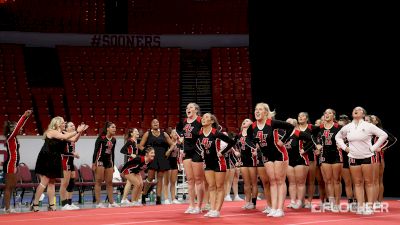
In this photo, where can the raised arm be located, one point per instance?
(21, 122)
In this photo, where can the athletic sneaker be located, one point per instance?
(267, 210)
(291, 204)
(272, 212)
(228, 198)
(67, 207)
(167, 202)
(176, 201)
(125, 202)
(208, 213)
(196, 210)
(368, 211)
(248, 205)
(237, 198)
(101, 206)
(214, 214)
(307, 205)
(10, 210)
(113, 205)
(207, 207)
(188, 210)
(297, 205)
(278, 213)
(74, 206)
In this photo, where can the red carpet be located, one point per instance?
(173, 214)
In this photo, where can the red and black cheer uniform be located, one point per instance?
(68, 157)
(190, 131)
(207, 145)
(330, 153)
(294, 145)
(267, 138)
(12, 146)
(248, 154)
(174, 156)
(135, 165)
(129, 148)
(104, 152)
(390, 141)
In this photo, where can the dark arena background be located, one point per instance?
(132, 61)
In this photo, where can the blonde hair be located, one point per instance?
(54, 124)
(270, 114)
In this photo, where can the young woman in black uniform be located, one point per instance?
(248, 157)
(378, 179)
(193, 163)
(343, 121)
(103, 163)
(131, 171)
(314, 171)
(208, 147)
(264, 132)
(331, 158)
(130, 150)
(68, 182)
(298, 165)
(11, 131)
(171, 175)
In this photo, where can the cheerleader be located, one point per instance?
(11, 130)
(171, 176)
(103, 163)
(48, 164)
(249, 160)
(331, 158)
(130, 150)
(132, 169)
(378, 173)
(209, 147)
(68, 182)
(192, 162)
(298, 165)
(264, 132)
(231, 159)
(343, 121)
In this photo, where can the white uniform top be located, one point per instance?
(359, 137)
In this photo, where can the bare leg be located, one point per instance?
(99, 174)
(11, 181)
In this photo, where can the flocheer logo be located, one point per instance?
(349, 207)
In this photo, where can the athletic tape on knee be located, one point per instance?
(71, 185)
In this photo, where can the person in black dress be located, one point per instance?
(48, 164)
(160, 141)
